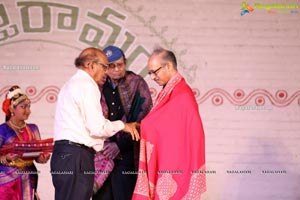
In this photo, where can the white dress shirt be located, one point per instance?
(79, 117)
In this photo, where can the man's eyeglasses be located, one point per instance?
(114, 65)
(103, 65)
(155, 71)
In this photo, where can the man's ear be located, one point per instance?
(88, 64)
(168, 65)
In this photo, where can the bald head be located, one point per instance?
(162, 66)
(165, 56)
(94, 62)
(88, 55)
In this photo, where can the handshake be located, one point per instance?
(132, 128)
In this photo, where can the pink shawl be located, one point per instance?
(172, 148)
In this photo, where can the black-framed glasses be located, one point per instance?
(114, 65)
(155, 71)
(105, 66)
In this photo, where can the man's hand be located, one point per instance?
(132, 129)
(111, 150)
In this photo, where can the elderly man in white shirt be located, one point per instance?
(80, 128)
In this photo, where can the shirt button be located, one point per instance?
(114, 92)
(113, 103)
(111, 113)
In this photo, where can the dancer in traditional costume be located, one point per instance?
(18, 174)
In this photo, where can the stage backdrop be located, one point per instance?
(241, 59)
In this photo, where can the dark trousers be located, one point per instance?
(119, 185)
(72, 170)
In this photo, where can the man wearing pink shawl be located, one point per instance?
(172, 146)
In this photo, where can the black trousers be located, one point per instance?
(120, 183)
(72, 170)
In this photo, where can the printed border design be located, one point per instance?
(261, 97)
(49, 92)
(166, 187)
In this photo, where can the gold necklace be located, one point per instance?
(16, 126)
(17, 129)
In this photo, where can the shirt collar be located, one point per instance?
(84, 73)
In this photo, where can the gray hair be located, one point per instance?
(166, 55)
